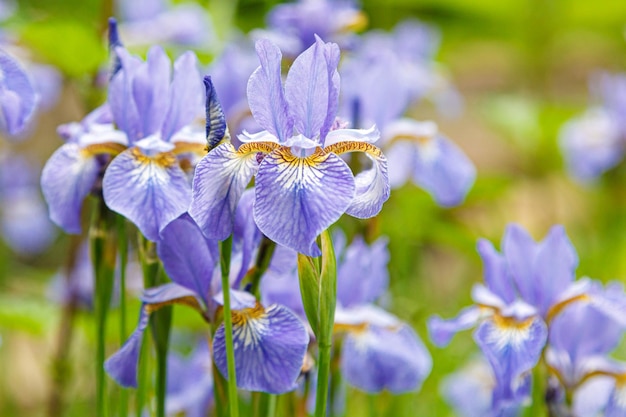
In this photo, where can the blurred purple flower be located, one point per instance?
(594, 142)
(302, 185)
(527, 285)
(149, 22)
(24, 221)
(18, 98)
(417, 151)
(190, 383)
(293, 26)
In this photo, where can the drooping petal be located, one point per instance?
(444, 171)
(513, 347)
(496, 275)
(266, 97)
(186, 95)
(616, 406)
(298, 198)
(381, 358)
(150, 192)
(122, 365)
(306, 90)
(441, 331)
(270, 345)
(66, 179)
(18, 98)
(220, 179)
(215, 119)
(372, 185)
(592, 396)
(188, 257)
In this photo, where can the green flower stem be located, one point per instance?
(263, 259)
(160, 321)
(103, 252)
(323, 373)
(272, 401)
(123, 253)
(225, 252)
(318, 287)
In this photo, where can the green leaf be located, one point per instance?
(73, 47)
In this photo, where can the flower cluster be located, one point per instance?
(523, 315)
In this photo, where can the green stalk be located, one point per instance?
(225, 251)
(323, 373)
(271, 405)
(103, 253)
(160, 321)
(263, 259)
(123, 253)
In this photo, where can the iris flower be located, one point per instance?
(143, 137)
(18, 98)
(269, 342)
(302, 186)
(525, 288)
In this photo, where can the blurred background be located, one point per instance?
(523, 69)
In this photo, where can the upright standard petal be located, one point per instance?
(495, 272)
(188, 257)
(298, 198)
(306, 90)
(18, 98)
(66, 179)
(186, 98)
(220, 179)
(519, 250)
(270, 345)
(381, 358)
(266, 97)
(555, 267)
(150, 192)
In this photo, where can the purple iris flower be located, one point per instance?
(155, 135)
(525, 287)
(18, 97)
(24, 221)
(190, 383)
(148, 22)
(379, 351)
(294, 26)
(270, 342)
(594, 142)
(418, 151)
(302, 186)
